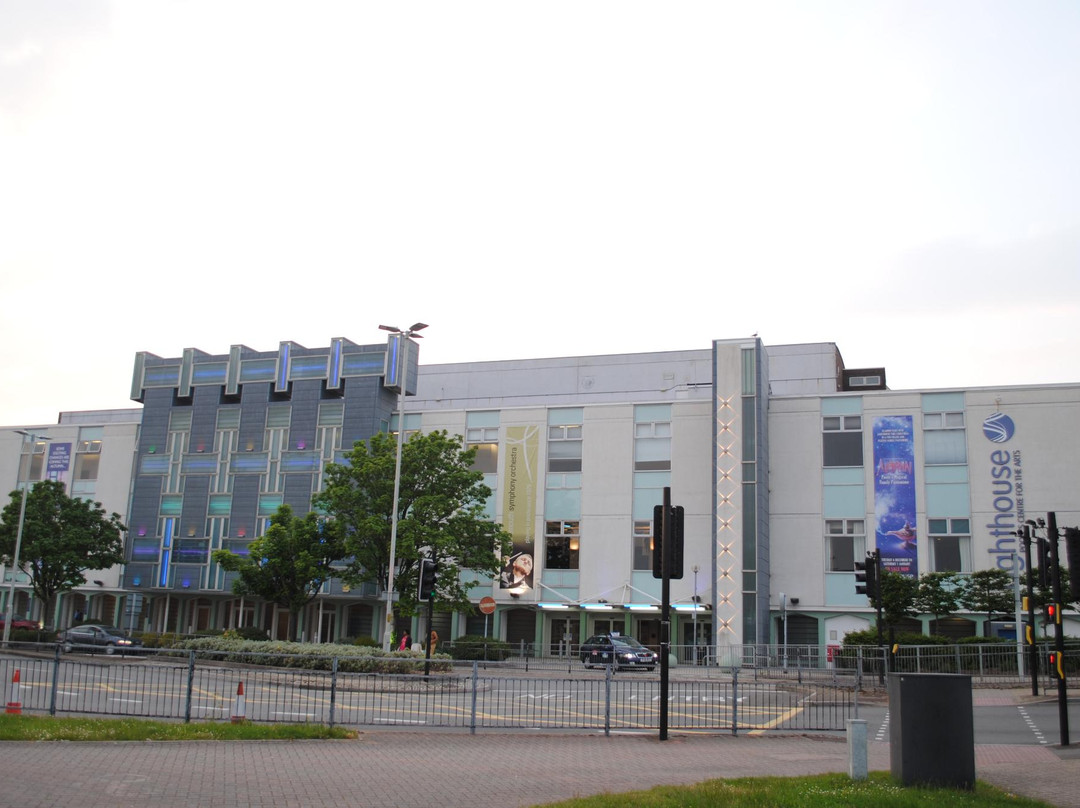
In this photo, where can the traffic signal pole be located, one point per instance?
(665, 610)
(1059, 636)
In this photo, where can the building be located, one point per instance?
(789, 467)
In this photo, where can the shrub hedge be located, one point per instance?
(315, 656)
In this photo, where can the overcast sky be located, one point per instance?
(537, 179)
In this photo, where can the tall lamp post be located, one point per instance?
(19, 533)
(400, 369)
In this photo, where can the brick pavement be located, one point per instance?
(414, 770)
(407, 769)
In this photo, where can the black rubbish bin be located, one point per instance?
(931, 730)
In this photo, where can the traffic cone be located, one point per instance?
(14, 705)
(239, 706)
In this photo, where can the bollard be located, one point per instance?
(858, 766)
(239, 706)
(14, 704)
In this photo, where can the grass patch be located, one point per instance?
(47, 728)
(817, 791)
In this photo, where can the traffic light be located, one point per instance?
(1072, 547)
(866, 577)
(427, 579)
(675, 558)
(1057, 664)
(1053, 613)
(1044, 563)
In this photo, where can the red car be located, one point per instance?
(19, 622)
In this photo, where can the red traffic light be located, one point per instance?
(1053, 614)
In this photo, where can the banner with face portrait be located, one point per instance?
(519, 494)
(894, 494)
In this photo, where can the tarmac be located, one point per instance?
(396, 768)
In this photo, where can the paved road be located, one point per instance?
(492, 769)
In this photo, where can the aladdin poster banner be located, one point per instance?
(520, 478)
(894, 494)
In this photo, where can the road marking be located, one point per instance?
(1032, 726)
(303, 715)
(126, 701)
(399, 721)
(883, 729)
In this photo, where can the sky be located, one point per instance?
(537, 179)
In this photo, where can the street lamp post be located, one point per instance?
(400, 372)
(18, 534)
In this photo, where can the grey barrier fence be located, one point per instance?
(862, 666)
(192, 687)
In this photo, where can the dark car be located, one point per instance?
(617, 650)
(91, 637)
(18, 621)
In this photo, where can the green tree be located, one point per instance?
(440, 516)
(938, 594)
(898, 598)
(61, 537)
(289, 564)
(989, 591)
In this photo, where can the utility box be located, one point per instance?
(932, 730)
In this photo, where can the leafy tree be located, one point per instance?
(289, 564)
(440, 516)
(989, 591)
(61, 537)
(898, 597)
(938, 594)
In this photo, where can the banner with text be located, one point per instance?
(519, 494)
(894, 494)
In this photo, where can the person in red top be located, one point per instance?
(406, 642)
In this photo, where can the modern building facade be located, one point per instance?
(789, 467)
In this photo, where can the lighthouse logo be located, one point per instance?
(999, 427)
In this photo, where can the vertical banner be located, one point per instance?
(519, 494)
(894, 494)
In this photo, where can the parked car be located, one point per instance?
(90, 637)
(618, 650)
(18, 621)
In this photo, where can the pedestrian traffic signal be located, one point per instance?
(427, 579)
(1072, 547)
(866, 577)
(1053, 613)
(675, 545)
(1057, 664)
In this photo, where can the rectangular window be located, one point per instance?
(643, 544)
(652, 446)
(842, 440)
(945, 439)
(31, 463)
(564, 448)
(562, 542)
(845, 543)
(950, 545)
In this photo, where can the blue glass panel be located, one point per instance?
(163, 376)
(308, 367)
(249, 463)
(257, 370)
(198, 464)
(210, 373)
(364, 364)
(154, 464)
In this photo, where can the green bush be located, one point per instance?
(472, 646)
(315, 657)
(246, 633)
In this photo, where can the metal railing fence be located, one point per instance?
(191, 686)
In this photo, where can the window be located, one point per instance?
(564, 448)
(944, 438)
(31, 463)
(950, 545)
(643, 544)
(842, 440)
(562, 544)
(485, 439)
(652, 446)
(845, 543)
